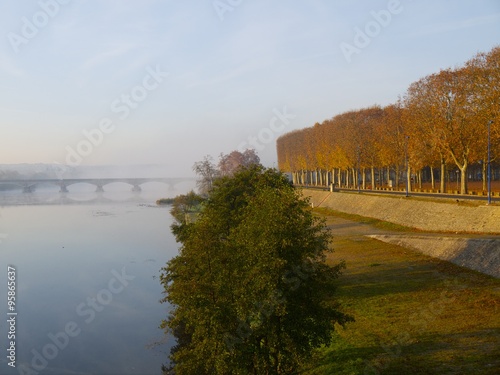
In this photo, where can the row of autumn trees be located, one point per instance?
(441, 122)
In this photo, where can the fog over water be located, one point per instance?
(87, 263)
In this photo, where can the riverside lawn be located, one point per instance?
(414, 314)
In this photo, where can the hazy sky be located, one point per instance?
(167, 82)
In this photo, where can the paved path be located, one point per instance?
(411, 194)
(477, 252)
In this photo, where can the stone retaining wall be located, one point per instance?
(424, 215)
(481, 255)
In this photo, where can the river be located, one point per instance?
(86, 282)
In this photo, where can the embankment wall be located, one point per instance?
(420, 214)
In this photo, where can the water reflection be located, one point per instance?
(90, 264)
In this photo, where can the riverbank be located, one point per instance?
(415, 315)
(460, 234)
(434, 215)
(477, 254)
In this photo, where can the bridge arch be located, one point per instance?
(98, 185)
(85, 186)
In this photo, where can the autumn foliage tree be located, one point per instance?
(208, 172)
(440, 124)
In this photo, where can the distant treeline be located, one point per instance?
(438, 127)
(15, 175)
(165, 201)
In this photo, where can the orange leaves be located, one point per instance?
(445, 116)
(336, 143)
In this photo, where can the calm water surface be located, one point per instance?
(88, 266)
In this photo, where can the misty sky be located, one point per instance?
(167, 82)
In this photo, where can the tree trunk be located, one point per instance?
(408, 177)
(373, 177)
(442, 177)
(484, 174)
(463, 183)
(397, 177)
(363, 176)
(433, 181)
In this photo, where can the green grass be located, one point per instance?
(415, 315)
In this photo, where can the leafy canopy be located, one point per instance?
(250, 291)
(228, 165)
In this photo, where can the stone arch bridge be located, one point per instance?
(29, 186)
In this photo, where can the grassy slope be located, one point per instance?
(414, 314)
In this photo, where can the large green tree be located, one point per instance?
(250, 290)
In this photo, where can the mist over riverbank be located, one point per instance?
(54, 170)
